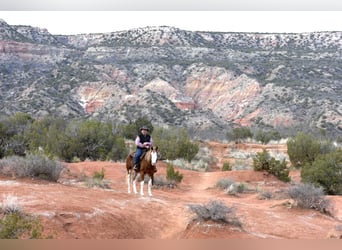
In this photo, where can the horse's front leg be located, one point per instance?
(129, 182)
(142, 188)
(149, 185)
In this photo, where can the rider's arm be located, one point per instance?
(138, 143)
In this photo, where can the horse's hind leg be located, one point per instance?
(135, 183)
(142, 188)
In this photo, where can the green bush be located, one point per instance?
(98, 180)
(171, 174)
(238, 134)
(131, 130)
(18, 226)
(12, 134)
(99, 175)
(325, 171)
(174, 143)
(226, 166)
(263, 161)
(14, 224)
(302, 149)
(266, 136)
(59, 138)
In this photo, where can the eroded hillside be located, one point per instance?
(206, 82)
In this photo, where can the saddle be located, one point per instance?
(131, 155)
(141, 157)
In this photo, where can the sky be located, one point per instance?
(80, 22)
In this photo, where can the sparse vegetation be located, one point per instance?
(266, 136)
(239, 134)
(161, 182)
(172, 175)
(226, 166)
(231, 187)
(99, 175)
(11, 205)
(263, 161)
(224, 183)
(264, 195)
(310, 197)
(98, 180)
(14, 224)
(31, 166)
(236, 188)
(216, 211)
(20, 226)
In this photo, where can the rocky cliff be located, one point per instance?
(206, 82)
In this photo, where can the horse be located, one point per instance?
(147, 166)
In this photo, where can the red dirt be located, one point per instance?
(70, 210)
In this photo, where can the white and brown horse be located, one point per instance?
(147, 166)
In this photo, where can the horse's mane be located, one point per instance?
(148, 154)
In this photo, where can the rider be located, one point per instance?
(143, 141)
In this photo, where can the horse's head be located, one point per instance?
(154, 155)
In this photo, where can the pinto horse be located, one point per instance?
(147, 166)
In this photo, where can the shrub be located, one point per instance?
(226, 166)
(238, 134)
(44, 168)
(266, 137)
(15, 226)
(264, 195)
(263, 161)
(98, 180)
(302, 149)
(10, 205)
(171, 174)
(215, 211)
(175, 143)
(325, 171)
(236, 188)
(161, 182)
(99, 175)
(31, 166)
(308, 196)
(224, 183)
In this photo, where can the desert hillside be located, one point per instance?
(71, 210)
(205, 82)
